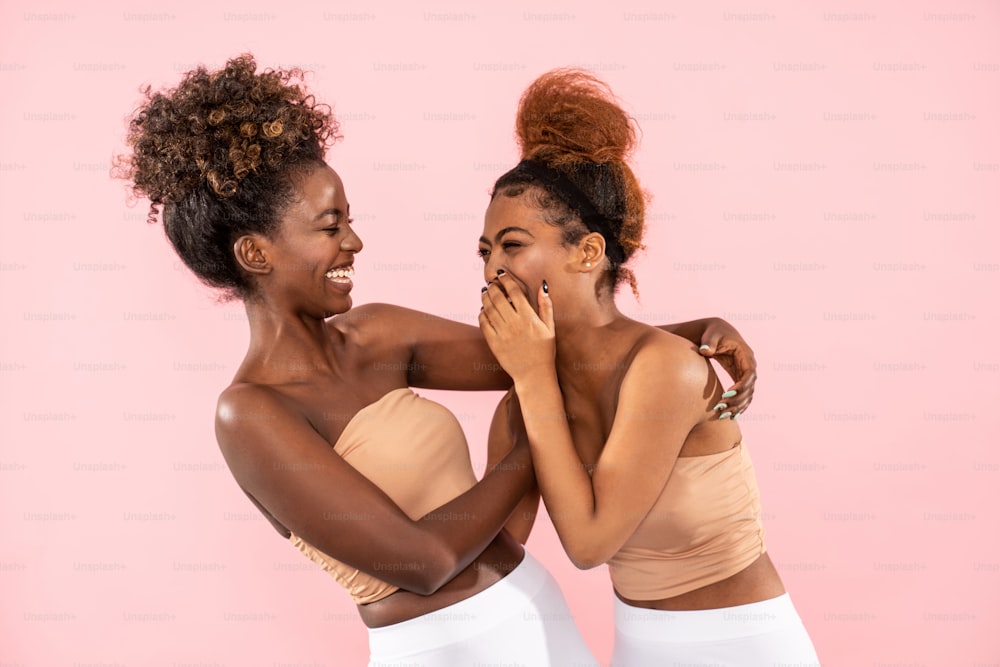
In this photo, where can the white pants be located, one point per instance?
(760, 634)
(520, 621)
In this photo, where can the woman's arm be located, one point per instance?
(290, 470)
(595, 512)
(451, 355)
(507, 426)
(444, 354)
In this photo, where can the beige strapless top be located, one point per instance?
(704, 527)
(415, 451)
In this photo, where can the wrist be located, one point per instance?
(532, 380)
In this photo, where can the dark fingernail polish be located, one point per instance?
(545, 287)
(500, 272)
(486, 288)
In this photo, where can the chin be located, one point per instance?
(341, 309)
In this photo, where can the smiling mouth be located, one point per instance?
(340, 275)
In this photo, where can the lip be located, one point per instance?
(345, 265)
(342, 284)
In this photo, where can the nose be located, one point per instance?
(352, 242)
(491, 267)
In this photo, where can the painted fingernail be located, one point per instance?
(704, 347)
(725, 415)
(486, 288)
(545, 287)
(500, 272)
(736, 415)
(728, 394)
(720, 406)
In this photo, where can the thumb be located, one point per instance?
(709, 344)
(545, 312)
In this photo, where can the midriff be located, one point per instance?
(754, 583)
(497, 561)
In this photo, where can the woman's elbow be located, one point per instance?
(426, 575)
(587, 556)
(586, 563)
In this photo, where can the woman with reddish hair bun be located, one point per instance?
(319, 426)
(636, 447)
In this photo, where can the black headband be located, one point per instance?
(564, 188)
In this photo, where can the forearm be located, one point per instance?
(466, 525)
(450, 355)
(523, 519)
(562, 478)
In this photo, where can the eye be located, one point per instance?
(483, 252)
(507, 245)
(332, 231)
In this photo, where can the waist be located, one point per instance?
(706, 625)
(703, 528)
(498, 560)
(756, 582)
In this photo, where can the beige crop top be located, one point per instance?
(704, 527)
(400, 442)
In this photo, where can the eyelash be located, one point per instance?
(507, 245)
(333, 231)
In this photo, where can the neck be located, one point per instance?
(285, 345)
(582, 337)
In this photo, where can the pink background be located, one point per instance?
(824, 175)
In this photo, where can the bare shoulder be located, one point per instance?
(240, 395)
(670, 362)
(243, 404)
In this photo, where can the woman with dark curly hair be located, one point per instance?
(637, 467)
(320, 427)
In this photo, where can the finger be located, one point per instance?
(745, 394)
(710, 344)
(545, 310)
(516, 296)
(730, 357)
(486, 326)
(495, 305)
(735, 400)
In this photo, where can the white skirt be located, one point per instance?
(522, 619)
(760, 634)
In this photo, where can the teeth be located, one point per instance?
(345, 273)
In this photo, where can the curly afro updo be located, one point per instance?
(219, 153)
(570, 121)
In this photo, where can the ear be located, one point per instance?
(591, 252)
(251, 256)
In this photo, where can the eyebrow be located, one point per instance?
(505, 230)
(336, 212)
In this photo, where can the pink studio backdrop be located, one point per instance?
(823, 175)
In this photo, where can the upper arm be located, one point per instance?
(661, 399)
(499, 443)
(444, 354)
(293, 472)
